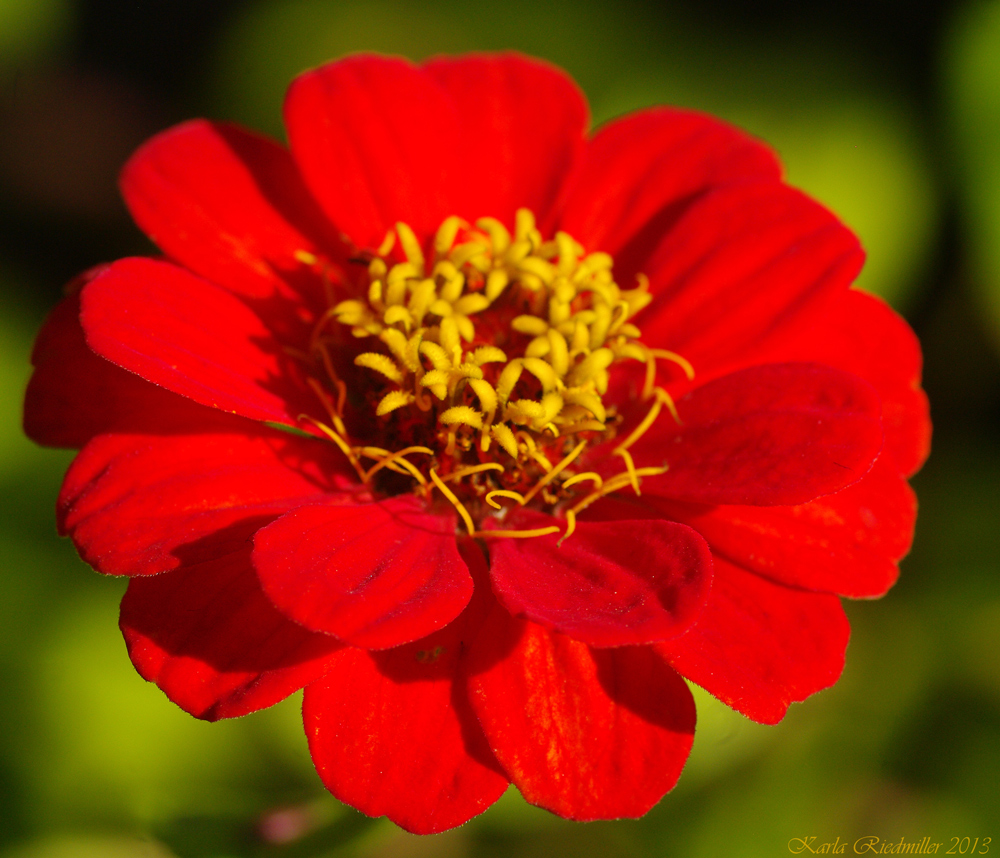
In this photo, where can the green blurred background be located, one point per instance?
(888, 111)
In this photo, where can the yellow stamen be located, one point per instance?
(570, 527)
(473, 469)
(558, 469)
(340, 442)
(411, 247)
(503, 493)
(398, 456)
(567, 322)
(592, 476)
(455, 502)
(612, 485)
(392, 401)
(643, 427)
(503, 435)
(516, 534)
(463, 415)
(630, 465)
(446, 233)
(677, 359)
(321, 394)
(385, 248)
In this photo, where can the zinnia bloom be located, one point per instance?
(487, 431)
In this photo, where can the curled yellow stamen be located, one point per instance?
(643, 427)
(559, 468)
(454, 501)
(682, 362)
(345, 448)
(516, 534)
(503, 493)
(593, 476)
(616, 482)
(570, 527)
(398, 456)
(473, 469)
(630, 465)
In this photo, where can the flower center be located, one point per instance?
(486, 369)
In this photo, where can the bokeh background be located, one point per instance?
(886, 110)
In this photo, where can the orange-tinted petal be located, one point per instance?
(586, 733)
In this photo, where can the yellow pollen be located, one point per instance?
(490, 351)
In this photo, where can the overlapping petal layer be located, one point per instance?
(373, 575)
(393, 733)
(846, 543)
(211, 640)
(640, 174)
(773, 434)
(862, 335)
(377, 141)
(74, 394)
(163, 323)
(600, 589)
(145, 504)
(746, 264)
(231, 207)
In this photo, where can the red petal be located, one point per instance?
(74, 395)
(640, 173)
(609, 584)
(846, 543)
(773, 434)
(743, 264)
(392, 733)
(377, 141)
(760, 646)
(588, 734)
(214, 644)
(192, 337)
(141, 504)
(863, 335)
(374, 575)
(525, 121)
(230, 206)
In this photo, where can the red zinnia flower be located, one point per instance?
(483, 430)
